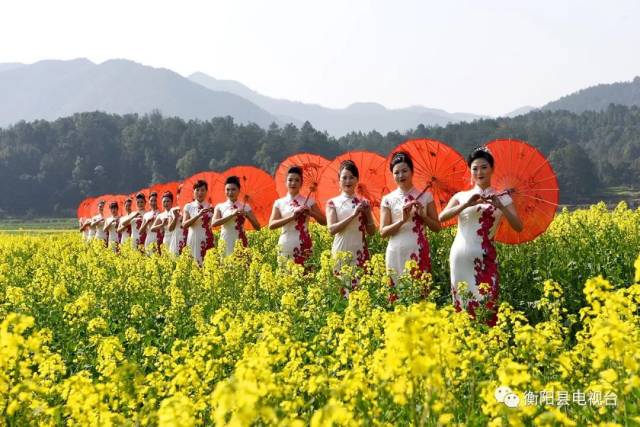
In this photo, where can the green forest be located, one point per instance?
(47, 167)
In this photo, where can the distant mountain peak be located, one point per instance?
(598, 97)
(367, 107)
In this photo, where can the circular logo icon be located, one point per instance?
(501, 392)
(512, 400)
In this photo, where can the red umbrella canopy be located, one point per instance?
(312, 166)
(257, 189)
(371, 183)
(186, 191)
(84, 208)
(528, 177)
(437, 168)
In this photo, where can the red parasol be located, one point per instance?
(312, 166)
(526, 175)
(371, 184)
(84, 208)
(186, 191)
(257, 189)
(438, 168)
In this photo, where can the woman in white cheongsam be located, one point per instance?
(349, 217)
(111, 227)
(349, 220)
(291, 213)
(153, 239)
(473, 253)
(133, 222)
(231, 215)
(97, 224)
(166, 222)
(405, 213)
(125, 231)
(196, 218)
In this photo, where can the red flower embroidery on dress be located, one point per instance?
(362, 255)
(456, 299)
(207, 243)
(142, 236)
(183, 241)
(302, 252)
(240, 218)
(422, 257)
(487, 268)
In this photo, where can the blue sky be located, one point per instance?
(486, 57)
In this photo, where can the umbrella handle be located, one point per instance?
(505, 192)
(424, 191)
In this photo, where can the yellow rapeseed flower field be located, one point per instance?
(90, 337)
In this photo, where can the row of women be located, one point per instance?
(405, 214)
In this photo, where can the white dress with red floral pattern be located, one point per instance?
(352, 238)
(168, 236)
(126, 233)
(113, 237)
(90, 232)
(99, 233)
(233, 229)
(410, 241)
(473, 254)
(200, 235)
(137, 237)
(295, 240)
(153, 239)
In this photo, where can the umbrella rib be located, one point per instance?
(540, 199)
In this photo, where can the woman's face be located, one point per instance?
(481, 172)
(153, 202)
(114, 211)
(166, 203)
(402, 174)
(294, 182)
(127, 206)
(100, 207)
(232, 191)
(200, 193)
(348, 181)
(140, 204)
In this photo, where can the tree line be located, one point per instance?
(47, 167)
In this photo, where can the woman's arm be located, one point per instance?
(157, 225)
(218, 219)
(188, 221)
(333, 224)
(429, 215)
(317, 214)
(509, 212)
(386, 227)
(371, 224)
(276, 220)
(173, 221)
(454, 207)
(253, 220)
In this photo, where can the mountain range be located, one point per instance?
(53, 88)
